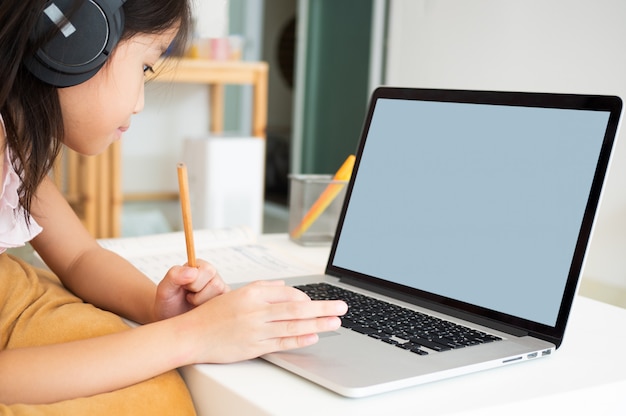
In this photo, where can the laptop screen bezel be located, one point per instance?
(473, 313)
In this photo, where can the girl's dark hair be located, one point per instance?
(30, 108)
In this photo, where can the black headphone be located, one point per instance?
(85, 33)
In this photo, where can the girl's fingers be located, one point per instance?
(297, 334)
(176, 277)
(298, 327)
(306, 309)
(204, 274)
(275, 291)
(205, 284)
(212, 289)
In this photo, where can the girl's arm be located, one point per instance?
(103, 278)
(96, 275)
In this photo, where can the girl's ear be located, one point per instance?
(82, 34)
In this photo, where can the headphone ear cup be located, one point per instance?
(85, 34)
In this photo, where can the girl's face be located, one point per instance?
(98, 111)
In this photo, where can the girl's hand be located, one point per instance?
(257, 319)
(183, 288)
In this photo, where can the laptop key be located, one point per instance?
(432, 345)
(409, 346)
(348, 323)
(364, 330)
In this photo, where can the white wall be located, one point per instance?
(211, 17)
(572, 46)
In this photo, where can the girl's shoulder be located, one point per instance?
(14, 229)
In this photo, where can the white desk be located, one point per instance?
(577, 379)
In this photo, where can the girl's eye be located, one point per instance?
(148, 68)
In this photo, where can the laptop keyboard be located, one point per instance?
(413, 331)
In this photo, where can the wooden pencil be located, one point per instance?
(185, 205)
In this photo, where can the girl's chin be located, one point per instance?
(95, 146)
(92, 151)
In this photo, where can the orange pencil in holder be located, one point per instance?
(325, 199)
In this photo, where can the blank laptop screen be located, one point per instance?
(475, 202)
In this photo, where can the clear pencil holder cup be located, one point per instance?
(315, 203)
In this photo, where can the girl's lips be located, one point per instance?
(120, 132)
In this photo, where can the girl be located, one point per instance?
(55, 347)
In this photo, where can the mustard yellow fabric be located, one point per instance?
(35, 309)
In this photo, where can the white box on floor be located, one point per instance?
(226, 181)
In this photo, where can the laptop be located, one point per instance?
(467, 217)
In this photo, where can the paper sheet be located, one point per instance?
(233, 251)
